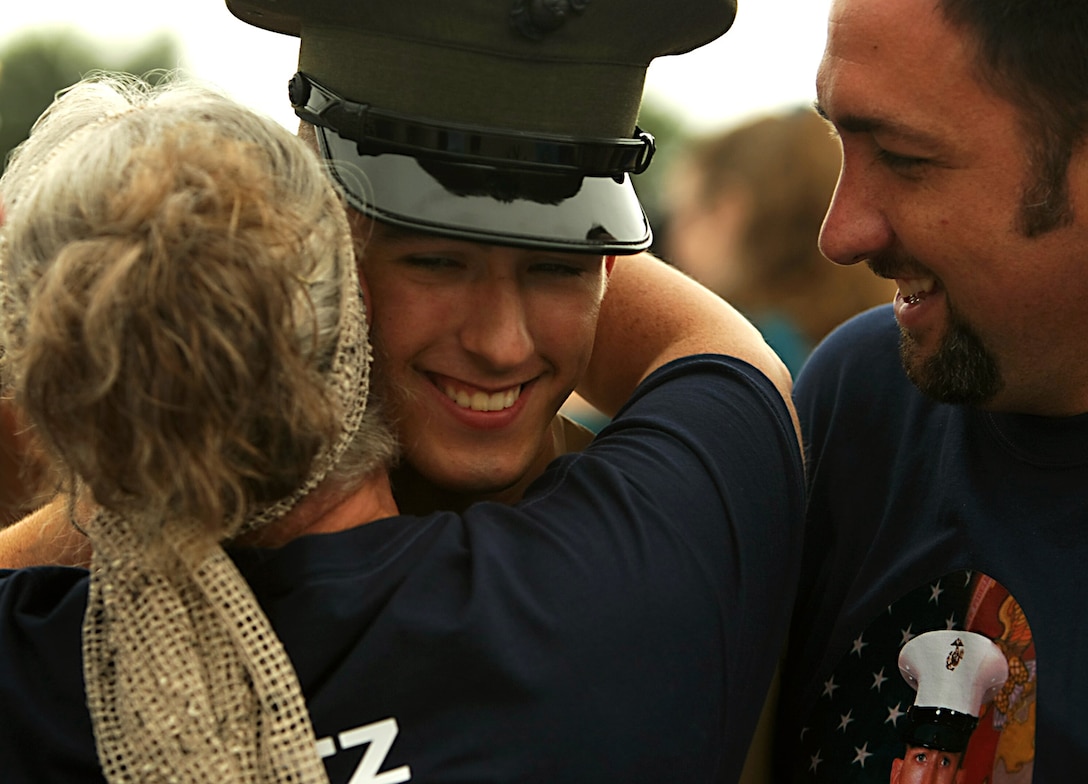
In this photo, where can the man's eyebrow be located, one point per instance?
(393, 233)
(855, 123)
(852, 123)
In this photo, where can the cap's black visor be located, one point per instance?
(488, 204)
(939, 728)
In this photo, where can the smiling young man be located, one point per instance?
(480, 345)
(946, 434)
(487, 150)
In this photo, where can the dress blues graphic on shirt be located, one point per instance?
(857, 732)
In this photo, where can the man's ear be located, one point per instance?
(307, 133)
(609, 261)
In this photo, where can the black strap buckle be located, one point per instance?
(376, 131)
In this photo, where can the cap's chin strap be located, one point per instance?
(379, 131)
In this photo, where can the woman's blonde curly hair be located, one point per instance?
(175, 301)
(181, 321)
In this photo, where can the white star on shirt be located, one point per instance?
(844, 720)
(935, 592)
(950, 622)
(830, 686)
(862, 754)
(894, 714)
(906, 635)
(814, 761)
(878, 679)
(858, 645)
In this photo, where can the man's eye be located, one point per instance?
(558, 268)
(901, 163)
(431, 262)
(564, 266)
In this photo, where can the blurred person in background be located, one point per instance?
(745, 208)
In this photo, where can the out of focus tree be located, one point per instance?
(670, 135)
(35, 65)
(33, 68)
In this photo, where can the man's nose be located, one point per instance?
(855, 227)
(931, 775)
(496, 327)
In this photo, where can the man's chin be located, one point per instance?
(959, 371)
(420, 489)
(483, 471)
(496, 485)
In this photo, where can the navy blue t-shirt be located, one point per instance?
(621, 624)
(924, 517)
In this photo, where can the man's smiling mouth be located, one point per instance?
(914, 290)
(483, 401)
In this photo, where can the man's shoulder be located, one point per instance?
(867, 338)
(697, 431)
(712, 410)
(708, 382)
(858, 359)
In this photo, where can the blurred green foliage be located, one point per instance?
(670, 134)
(35, 65)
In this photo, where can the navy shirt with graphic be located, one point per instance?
(925, 516)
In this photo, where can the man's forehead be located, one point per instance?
(894, 65)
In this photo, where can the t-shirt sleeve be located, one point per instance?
(695, 494)
(709, 440)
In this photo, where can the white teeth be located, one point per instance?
(912, 289)
(481, 401)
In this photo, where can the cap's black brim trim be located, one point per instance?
(378, 131)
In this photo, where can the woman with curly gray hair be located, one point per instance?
(182, 325)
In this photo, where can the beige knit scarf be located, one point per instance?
(186, 680)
